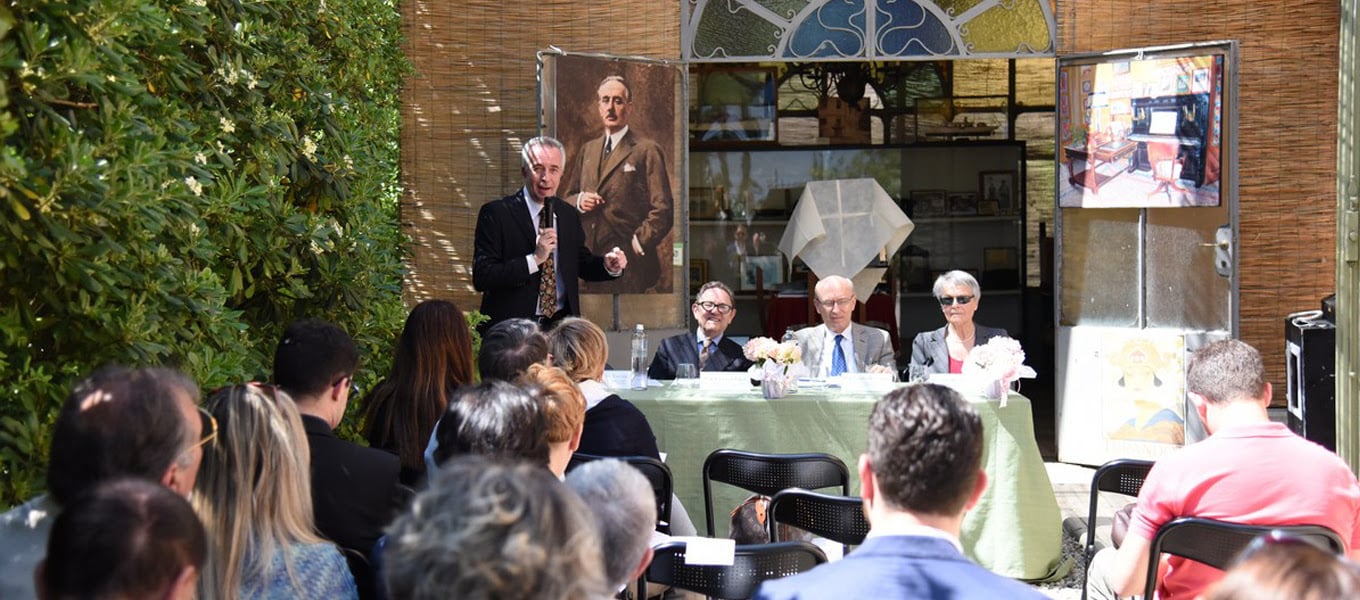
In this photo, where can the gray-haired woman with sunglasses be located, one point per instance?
(944, 350)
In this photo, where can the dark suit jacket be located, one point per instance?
(505, 235)
(355, 491)
(901, 567)
(635, 185)
(930, 349)
(684, 348)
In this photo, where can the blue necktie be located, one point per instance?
(838, 357)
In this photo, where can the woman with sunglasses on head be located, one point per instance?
(254, 496)
(944, 350)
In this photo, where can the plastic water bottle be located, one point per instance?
(639, 358)
(788, 335)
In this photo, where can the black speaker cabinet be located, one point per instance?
(1310, 350)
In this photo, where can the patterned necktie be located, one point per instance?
(838, 357)
(705, 350)
(547, 286)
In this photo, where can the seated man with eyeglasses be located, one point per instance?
(707, 349)
(117, 423)
(944, 350)
(838, 346)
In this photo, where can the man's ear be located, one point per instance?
(977, 491)
(183, 587)
(173, 478)
(575, 441)
(866, 481)
(642, 565)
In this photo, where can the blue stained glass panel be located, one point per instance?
(834, 30)
(905, 28)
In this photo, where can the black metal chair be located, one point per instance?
(751, 566)
(657, 473)
(1121, 476)
(769, 474)
(836, 518)
(1217, 543)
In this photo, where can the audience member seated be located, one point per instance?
(356, 491)
(944, 350)
(707, 348)
(921, 472)
(837, 345)
(613, 426)
(625, 515)
(433, 355)
(1277, 566)
(1250, 470)
(494, 528)
(255, 499)
(494, 418)
(118, 422)
(566, 410)
(509, 347)
(130, 539)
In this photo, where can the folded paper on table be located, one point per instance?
(724, 381)
(875, 383)
(840, 226)
(622, 380)
(708, 551)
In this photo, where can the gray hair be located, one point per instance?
(625, 511)
(956, 277)
(627, 91)
(526, 153)
(716, 285)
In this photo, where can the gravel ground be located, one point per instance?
(1069, 587)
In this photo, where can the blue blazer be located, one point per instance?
(930, 349)
(684, 348)
(898, 567)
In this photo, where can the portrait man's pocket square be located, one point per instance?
(628, 168)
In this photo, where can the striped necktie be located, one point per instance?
(705, 350)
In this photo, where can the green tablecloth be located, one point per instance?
(1015, 530)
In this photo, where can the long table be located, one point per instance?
(1015, 530)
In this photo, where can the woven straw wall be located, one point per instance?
(472, 101)
(1287, 103)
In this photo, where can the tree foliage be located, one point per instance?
(181, 179)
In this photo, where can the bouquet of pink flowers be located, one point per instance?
(762, 349)
(1001, 360)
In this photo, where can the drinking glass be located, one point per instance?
(686, 375)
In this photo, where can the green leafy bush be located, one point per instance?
(181, 179)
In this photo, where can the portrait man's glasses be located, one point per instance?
(951, 300)
(721, 309)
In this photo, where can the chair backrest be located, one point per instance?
(657, 474)
(769, 474)
(837, 518)
(751, 565)
(1121, 476)
(1217, 543)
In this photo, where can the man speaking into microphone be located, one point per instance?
(530, 247)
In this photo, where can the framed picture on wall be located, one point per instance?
(769, 270)
(698, 275)
(962, 204)
(734, 105)
(929, 203)
(999, 186)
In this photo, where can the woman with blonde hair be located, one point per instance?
(433, 358)
(613, 426)
(254, 496)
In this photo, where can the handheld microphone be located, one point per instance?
(548, 217)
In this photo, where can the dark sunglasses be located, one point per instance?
(951, 300)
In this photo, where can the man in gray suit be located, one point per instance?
(839, 346)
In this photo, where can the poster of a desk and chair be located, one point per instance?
(1141, 133)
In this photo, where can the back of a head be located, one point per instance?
(625, 512)
(1226, 371)
(125, 538)
(563, 402)
(925, 445)
(1291, 569)
(494, 418)
(254, 483)
(509, 347)
(579, 348)
(490, 528)
(119, 422)
(312, 356)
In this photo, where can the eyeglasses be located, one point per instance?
(209, 428)
(1276, 537)
(951, 300)
(721, 309)
(353, 387)
(841, 302)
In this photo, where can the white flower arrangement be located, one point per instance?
(1001, 360)
(762, 349)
